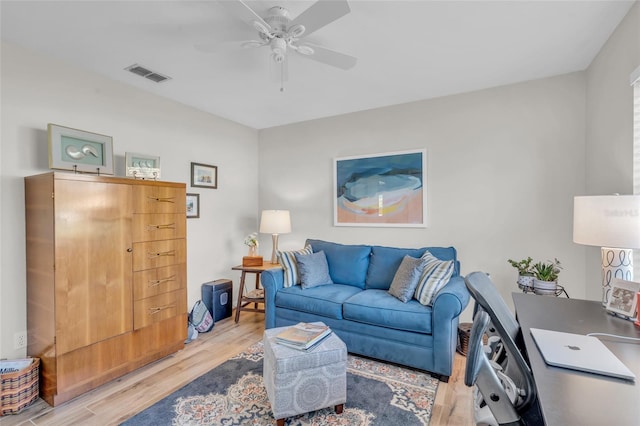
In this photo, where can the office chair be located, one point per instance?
(503, 324)
(494, 393)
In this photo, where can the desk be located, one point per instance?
(570, 397)
(254, 296)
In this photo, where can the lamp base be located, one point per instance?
(274, 257)
(616, 263)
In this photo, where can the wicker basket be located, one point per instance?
(464, 334)
(19, 389)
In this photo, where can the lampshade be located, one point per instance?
(607, 221)
(275, 222)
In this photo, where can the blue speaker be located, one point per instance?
(218, 297)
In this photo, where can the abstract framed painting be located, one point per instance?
(386, 190)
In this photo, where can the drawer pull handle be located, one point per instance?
(151, 227)
(153, 311)
(161, 253)
(162, 199)
(153, 283)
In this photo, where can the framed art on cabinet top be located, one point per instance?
(79, 150)
(142, 166)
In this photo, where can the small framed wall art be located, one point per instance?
(204, 176)
(623, 300)
(142, 166)
(80, 151)
(193, 206)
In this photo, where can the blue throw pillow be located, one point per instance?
(313, 269)
(348, 264)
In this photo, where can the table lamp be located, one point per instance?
(611, 222)
(275, 222)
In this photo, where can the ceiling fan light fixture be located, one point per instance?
(278, 58)
(305, 50)
(253, 43)
(278, 46)
(296, 30)
(262, 28)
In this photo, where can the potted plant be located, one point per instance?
(546, 277)
(525, 272)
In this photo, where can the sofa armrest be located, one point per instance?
(449, 303)
(272, 281)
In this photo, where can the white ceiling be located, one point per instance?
(406, 50)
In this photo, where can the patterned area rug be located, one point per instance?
(233, 394)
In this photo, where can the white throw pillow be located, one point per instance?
(435, 275)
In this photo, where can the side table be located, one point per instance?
(255, 296)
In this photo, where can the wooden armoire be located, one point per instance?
(106, 277)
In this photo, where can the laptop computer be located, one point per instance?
(579, 352)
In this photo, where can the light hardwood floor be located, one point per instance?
(116, 401)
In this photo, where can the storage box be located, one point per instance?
(252, 261)
(20, 388)
(218, 297)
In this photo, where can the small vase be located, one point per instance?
(253, 251)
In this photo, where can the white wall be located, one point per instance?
(503, 167)
(37, 91)
(609, 154)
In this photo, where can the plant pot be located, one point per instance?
(525, 282)
(545, 287)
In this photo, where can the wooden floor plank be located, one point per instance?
(116, 401)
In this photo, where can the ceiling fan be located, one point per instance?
(282, 34)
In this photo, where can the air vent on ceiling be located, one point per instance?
(147, 73)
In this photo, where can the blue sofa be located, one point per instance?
(361, 311)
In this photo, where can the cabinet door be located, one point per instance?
(93, 262)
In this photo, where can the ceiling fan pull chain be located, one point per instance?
(282, 76)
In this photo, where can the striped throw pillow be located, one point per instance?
(435, 275)
(287, 259)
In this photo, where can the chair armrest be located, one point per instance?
(272, 281)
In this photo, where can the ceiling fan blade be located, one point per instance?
(331, 57)
(240, 10)
(320, 14)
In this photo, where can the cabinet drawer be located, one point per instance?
(157, 281)
(156, 254)
(159, 199)
(158, 226)
(158, 308)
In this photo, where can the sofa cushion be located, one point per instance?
(325, 300)
(287, 259)
(435, 275)
(378, 307)
(348, 264)
(406, 278)
(385, 262)
(313, 269)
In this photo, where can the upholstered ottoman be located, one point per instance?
(298, 382)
